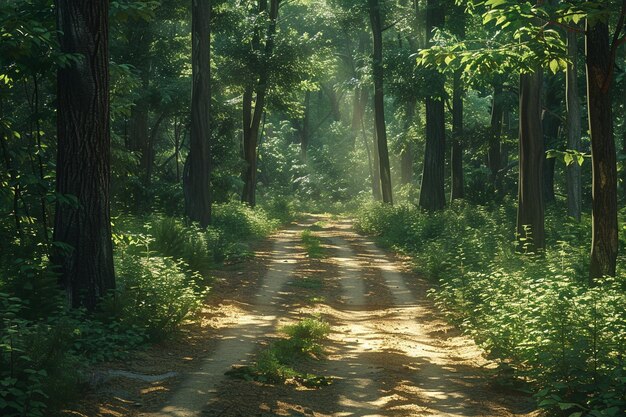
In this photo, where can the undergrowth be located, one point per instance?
(162, 272)
(536, 314)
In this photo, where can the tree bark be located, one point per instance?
(530, 210)
(551, 126)
(457, 182)
(84, 254)
(406, 157)
(432, 193)
(252, 118)
(196, 179)
(495, 134)
(304, 134)
(379, 104)
(574, 184)
(604, 243)
(457, 189)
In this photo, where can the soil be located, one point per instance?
(389, 353)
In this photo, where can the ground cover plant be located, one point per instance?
(279, 362)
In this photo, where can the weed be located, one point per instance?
(277, 364)
(312, 244)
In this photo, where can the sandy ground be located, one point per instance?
(389, 353)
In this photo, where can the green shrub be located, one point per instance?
(240, 222)
(155, 294)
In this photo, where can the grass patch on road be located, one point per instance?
(312, 244)
(277, 364)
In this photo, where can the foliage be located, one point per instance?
(312, 244)
(535, 314)
(277, 364)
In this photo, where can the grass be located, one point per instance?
(308, 283)
(312, 244)
(278, 363)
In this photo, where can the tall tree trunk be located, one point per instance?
(458, 182)
(530, 210)
(551, 127)
(406, 157)
(432, 193)
(85, 261)
(457, 188)
(574, 183)
(599, 62)
(495, 134)
(304, 136)
(376, 186)
(196, 179)
(252, 118)
(379, 104)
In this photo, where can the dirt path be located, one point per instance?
(389, 353)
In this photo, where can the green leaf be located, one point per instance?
(554, 66)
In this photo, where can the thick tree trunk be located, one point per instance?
(530, 210)
(379, 104)
(252, 118)
(85, 262)
(574, 184)
(196, 179)
(599, 61)
(432, 193)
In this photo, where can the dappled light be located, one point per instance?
(312, 208)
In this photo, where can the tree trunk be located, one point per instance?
(252, 119)
(376, 186)
(85, 259)
(574, 187)
(599, 61)
(495, 134)
(379, 104)
(458, 186)
(530, 210)
(551, 126)
(196, 179)
(406, 157)
(304, 136)
(432, 193)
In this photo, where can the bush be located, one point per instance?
(537, 314)
(155, 294)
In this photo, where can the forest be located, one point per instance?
(312, 208)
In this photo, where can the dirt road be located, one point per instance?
(389, 353)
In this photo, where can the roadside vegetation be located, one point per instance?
(552, 333)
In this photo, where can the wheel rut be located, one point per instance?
(389, 352)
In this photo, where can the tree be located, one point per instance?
(196, 178)
(252, 115)
(600, 62)
(574, 188)
(379, 105)
(82, 228)
(432, 194)
(457, 179)
(530, 205)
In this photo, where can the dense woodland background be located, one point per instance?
(144, 143)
